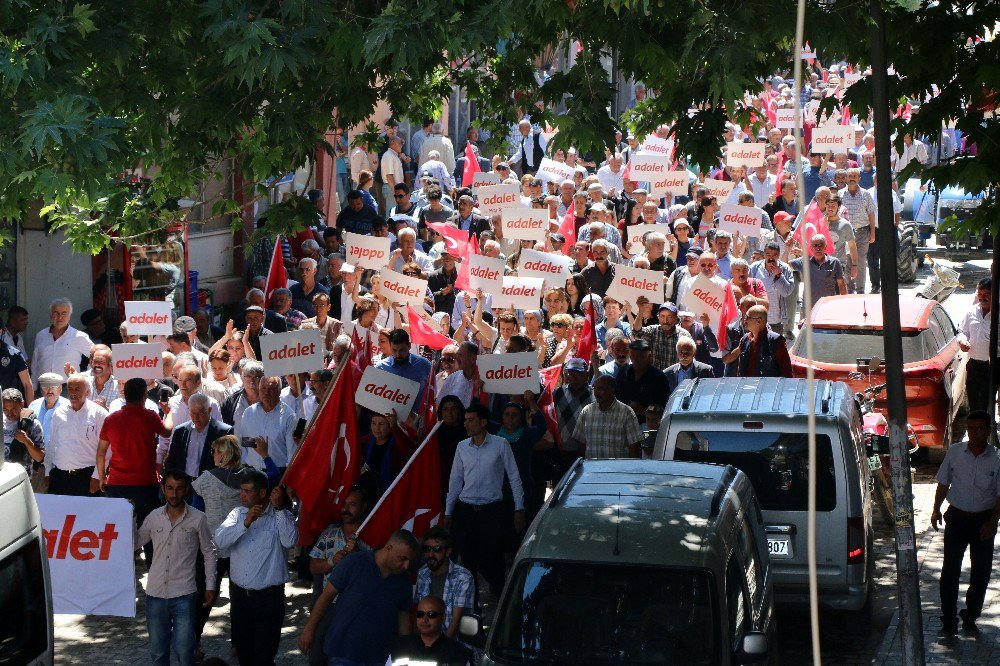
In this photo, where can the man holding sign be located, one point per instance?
(404, 363)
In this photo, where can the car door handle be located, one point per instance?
(779, 529)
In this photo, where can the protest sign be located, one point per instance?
(672, 183)
(719, 189)
(495, 198)
(381, 391)
(637, 231)
(131, 360)
(654, 145)
(403, 289)
(485, 273)
(509, 374)
(148, 318)
(484, 179)
(549, 169)
(832, 138)
(646, 167)
(743, 220)
(524, 223)
(749, 155)
(288, 353)
(708, 297)
(785, 118)
(551, 267)
(91, 558)
(519, 293)
(367, 251)
(850, 78)
(630, 283)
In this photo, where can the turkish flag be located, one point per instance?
(814, 223)
(568, 228)
(413, 500)
(462, 280)
(769, 110)
(730, 312)
(781, 166)
(550, 380)
(455, 239)
(471, 165)
(588, 339)
(277, 277)
(362, 349)
(845, 118)
(422, 334)
(326, 465)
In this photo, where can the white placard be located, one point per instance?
(367, 251)
(719, 189)
(851, 78)
(785, 118)
(743, 220)
(520, 293)
(654, 145)
(832, 138)
(148, 318)
(807, 53)
(403, 289)
(485, 273)
(496, 198)
(381, 391)
(646, 167)
(672, 183)
(484, 179)
(637, 231)
(630, 283)
(549, 169)
(524, 223)
(708, 297)
(744, 154)
(509, 374)
(288, 353)
(551, 267)
(137, 359)
(91, 558)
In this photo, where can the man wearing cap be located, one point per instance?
(442, 282)
(23, 439)
(607, 428)
(662, 337)
(679, 281)
(50, 385)
(639, 384)
(686, 367)
(569, 399)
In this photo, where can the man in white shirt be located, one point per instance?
(392, 168)
(763, 185)
(60, 343)
(270, 419)
(188, 383)
(612, 175)
(298, 397)
(528, 147)
(974, 337)
(71, 456)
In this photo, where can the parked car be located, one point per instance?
(760, 425)
(639, 562)
(930, 210)
(847, 333)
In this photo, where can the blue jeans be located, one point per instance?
(171, 625)
(343, 187)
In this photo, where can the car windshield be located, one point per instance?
(597, 613)
(833, 345)
(776, 462)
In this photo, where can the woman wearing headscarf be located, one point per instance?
(386, 451)
(451, 416)
(525, 432)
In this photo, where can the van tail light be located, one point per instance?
(855, 541)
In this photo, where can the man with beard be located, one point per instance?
(442, 578)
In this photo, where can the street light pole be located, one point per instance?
(907, 581)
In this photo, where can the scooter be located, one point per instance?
(940, 284)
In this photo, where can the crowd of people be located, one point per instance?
(201, 451)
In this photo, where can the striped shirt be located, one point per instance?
(608, 433)
(859, 206)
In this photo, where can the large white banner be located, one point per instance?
(148, 318)
(496, 198)
(137, 359)
(509, 374)
(645, 167)
(670, 184)
(743, 220)
(485, 273)
(367, 251)
(719, 189)
(551, 267)
(744, 154)
(832, 139)
(654, 145)
(381, 391)
(706, 296)
(630, 283)
(637, 231)
(549, 169)
(288, 353)
(403, 289)
(91, 558)
(524, 223)
(520, 293)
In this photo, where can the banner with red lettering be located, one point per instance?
(520, 293)
(381, 391)
(403, 289)
(524, 223)
(645, 167)
(719, 189)
(485, 273)
(850, 78)
(742, 220)
(484, 179)
(549, 169)
(706, 296)
(785, 118)
(654, 145)
(496, 198)
(670, 184)
(832, 138)
(367, 251)
(91, 558)
(553, 268)
(288, 353)
(637, 231)
(509, 374)
(630, 283)
(744, 154)
(148, 318)
(137, 359)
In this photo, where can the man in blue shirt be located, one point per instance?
(404, 363)
(374, 596)
(815, 175)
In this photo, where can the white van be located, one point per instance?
(25, 588)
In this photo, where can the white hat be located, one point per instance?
(347, 268)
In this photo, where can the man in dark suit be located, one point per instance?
(466, 220)
(273, 321)
(459, 173)
(340, 294)
(191, 443)
(686, 367)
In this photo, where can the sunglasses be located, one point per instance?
(501, 168)
(446, 359)
(558, 325)
(433, 549)
(398, 196)
(430, 615)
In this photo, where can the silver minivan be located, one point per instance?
(639, 562)
(759, 425)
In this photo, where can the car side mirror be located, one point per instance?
(754, 648)
(470, 628)
(877, 445)
(874, 364)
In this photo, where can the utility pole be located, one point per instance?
(907, 582)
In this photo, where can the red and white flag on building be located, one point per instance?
(277, 277)
(413, 501)
(326, 465)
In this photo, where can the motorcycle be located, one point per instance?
(940, 284)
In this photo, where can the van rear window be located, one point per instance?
(776, 462)
(24, 629)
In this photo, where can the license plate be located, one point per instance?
(779, 548)
(875, 462)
